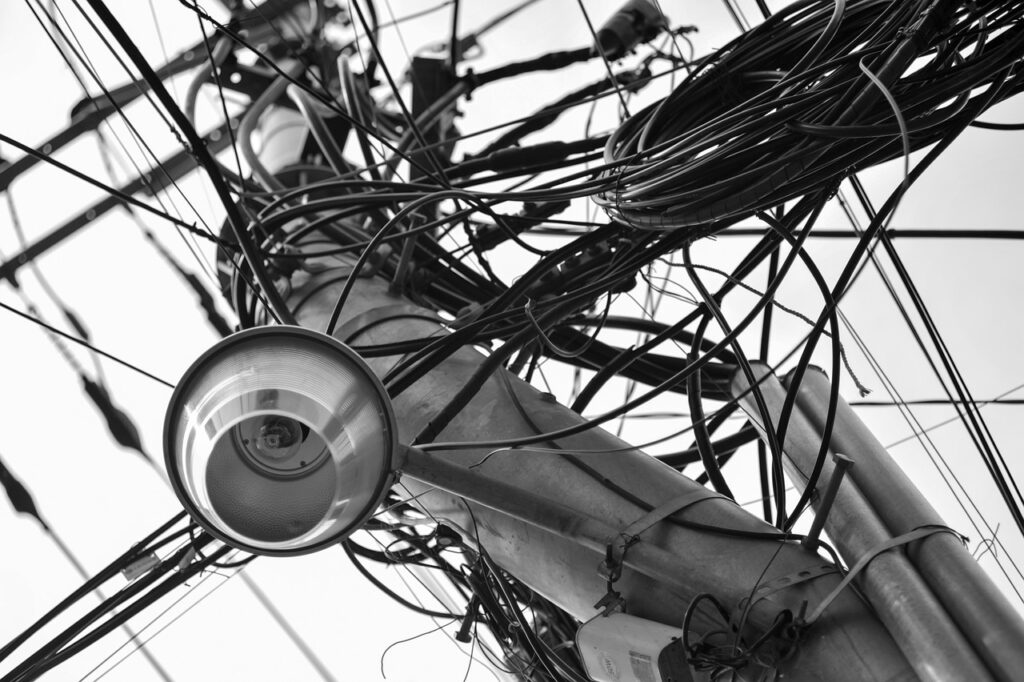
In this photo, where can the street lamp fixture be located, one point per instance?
(280, 441)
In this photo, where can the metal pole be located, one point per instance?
(986, 618)
(568, 507)
(921, 627)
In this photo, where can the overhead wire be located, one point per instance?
(276, 303)
(790, 112)
(24, 502)
(60, 40)
(941, 464)
(151, 158)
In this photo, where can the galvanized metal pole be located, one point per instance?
(925, 633)
(847, 643)
(984, 615)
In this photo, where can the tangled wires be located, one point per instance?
(816, 92)
(534, 636)
(725, 650)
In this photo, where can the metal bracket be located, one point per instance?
(611, 567)
(842, 465)
(767, 589)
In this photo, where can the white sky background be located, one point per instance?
(101, 498)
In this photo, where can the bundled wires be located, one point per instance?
(534, 637)
(803, 100)
(154, 577)
(766, 128)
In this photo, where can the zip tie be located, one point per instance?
(906, 538)
(611, 567)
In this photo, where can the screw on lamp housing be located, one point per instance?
(280, 441)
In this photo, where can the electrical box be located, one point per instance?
(624, 648)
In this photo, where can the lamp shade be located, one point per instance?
(280, 440)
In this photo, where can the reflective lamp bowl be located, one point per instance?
(280, 440)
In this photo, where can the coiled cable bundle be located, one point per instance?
(815, 93)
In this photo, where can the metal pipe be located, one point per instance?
(599, 478)
(984, 615)
(924, 632)
(540, 512)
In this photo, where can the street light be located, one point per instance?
(280, 441)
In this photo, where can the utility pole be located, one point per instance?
(662, 578)
(665, 570)
(600, 528)
(941, 607)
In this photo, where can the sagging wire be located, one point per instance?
(162, 628)
(276, 303)
(126, 198)
(501, 315)
(22, 501)
(59, 38)
(85, 344)
(148, 153)
(155, 540)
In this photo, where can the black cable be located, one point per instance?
(700, 431)
(388, 591)
(723, 445)
(203, 157)
(110, 570)
(719, 147)
(86, 344)
(62, 647)
(128, 199)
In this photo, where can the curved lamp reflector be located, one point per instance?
(280, 440)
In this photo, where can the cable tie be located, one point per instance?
(472, 82)
(892, 543)
(615, 553)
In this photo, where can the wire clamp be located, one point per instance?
(144, 564)
(186, 559)
(615, 550)
(892, 543)
(472, 82)
(611, 602)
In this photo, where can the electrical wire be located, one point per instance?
(764, 129)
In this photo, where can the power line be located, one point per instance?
(86, 344)
(23, 502)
